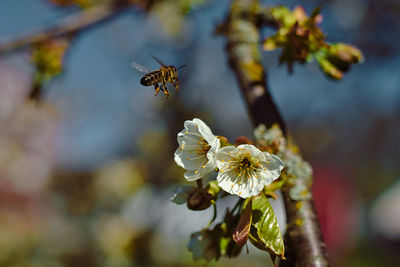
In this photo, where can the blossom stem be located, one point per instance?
(214, 213)
(66, 26)
(199, 183)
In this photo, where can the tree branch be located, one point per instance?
(303, 236)
(66, 26)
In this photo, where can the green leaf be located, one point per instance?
(265, 233)
(182, 193)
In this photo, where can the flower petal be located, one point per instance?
(188, 159)
(274, 165)
(205, 131)
(194, 141)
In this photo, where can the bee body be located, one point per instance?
(159, 78)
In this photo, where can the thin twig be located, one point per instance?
(303, 238)
(69, 25)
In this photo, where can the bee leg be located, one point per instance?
(176, 84)
(157, 88)
(165, 91)
(164, 87)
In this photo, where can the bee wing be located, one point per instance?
(140, 68)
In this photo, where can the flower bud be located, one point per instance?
(199, 200)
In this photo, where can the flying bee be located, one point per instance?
(159, 78)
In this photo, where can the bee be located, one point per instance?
(159, 78)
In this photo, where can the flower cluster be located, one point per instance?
(243, 170)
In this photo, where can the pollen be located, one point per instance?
(183, 146)
(186, 132)
(232, 186)
(196, 172)
(197, 125)
(222, 160)
(240, 193)
(267, 162)
(187, 158)
(229, 161)
(203, 166)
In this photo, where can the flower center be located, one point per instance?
(204, 147)
(245, 164)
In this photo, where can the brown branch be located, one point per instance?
(303, 236)
(66, 26)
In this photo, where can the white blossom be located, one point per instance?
(196, 151)
(245, 170)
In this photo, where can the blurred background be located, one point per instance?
(86, 176)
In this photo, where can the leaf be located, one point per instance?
(265, 233)
(242, 230)
(182, 193)
(203, 246)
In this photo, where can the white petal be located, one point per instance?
(190, 126)
(229, 182)
(254, 151)
(205, 131)
(223, 155)
(193, 175)
(189, 159)
(273, 167)
(226, 179)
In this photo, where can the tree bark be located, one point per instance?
(303, 239)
